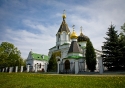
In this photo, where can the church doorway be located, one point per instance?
(67, 66)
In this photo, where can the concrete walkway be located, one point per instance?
(88, 74)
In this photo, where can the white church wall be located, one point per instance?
(76, 65)
(29, 61)
(64, 38)
(63, 35)
(61, 39)
(67, 39)
(38, 63)
(81, 60)
(64, 52)
(58, 39)
(58, 43)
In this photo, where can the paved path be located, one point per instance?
(90, 74)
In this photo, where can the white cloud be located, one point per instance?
(99, 14)
(25, 41)
(39, 36)
(44, 29)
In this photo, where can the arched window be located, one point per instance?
(58, 37)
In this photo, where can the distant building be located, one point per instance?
(37, 59)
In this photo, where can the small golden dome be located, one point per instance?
(73, 35)
(64, 16)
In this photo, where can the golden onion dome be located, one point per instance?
(64, 16)
(73, 35)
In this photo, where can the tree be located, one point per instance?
(90, 56)
(9, 55)
(122, 50)
(111, 53)
(122, 45)
(52, 63)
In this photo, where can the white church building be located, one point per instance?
(37, 60)
(72, 49)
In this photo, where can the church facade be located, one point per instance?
(71, 49)
(37, 61)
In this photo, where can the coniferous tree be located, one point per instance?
(111, 53)
(52, 63)
(122, 50)
(90, 56)
(122, 46)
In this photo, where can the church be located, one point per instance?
(39, 60)
(70, 50)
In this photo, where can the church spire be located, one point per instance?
(63, 34)
(64, 26)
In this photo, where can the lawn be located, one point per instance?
(32, 80)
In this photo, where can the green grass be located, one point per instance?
(32, 80)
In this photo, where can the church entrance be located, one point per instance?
(67, 66)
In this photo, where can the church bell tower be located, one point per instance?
(63, 34)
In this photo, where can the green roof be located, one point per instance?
(74, 57)
(40, 57)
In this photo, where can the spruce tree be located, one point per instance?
(90, 56)
(111, 54)
(52, 63)
(122, 50)
(122, 46)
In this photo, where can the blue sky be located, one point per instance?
(33, 24)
